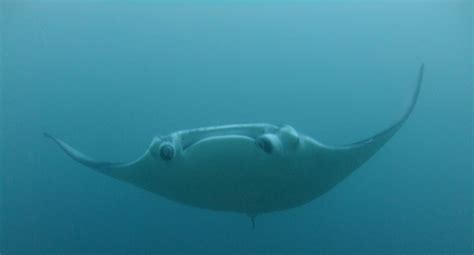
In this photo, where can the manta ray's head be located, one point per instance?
(223, 167)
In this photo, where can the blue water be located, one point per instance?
(109, 76)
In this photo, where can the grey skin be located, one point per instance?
(245, 168)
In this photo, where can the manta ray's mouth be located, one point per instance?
(215, 137)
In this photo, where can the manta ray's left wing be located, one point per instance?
(336, 162)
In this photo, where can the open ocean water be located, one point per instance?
(107, 76)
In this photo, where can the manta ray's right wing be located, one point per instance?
(132, 172)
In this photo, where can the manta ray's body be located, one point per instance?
(248, 168)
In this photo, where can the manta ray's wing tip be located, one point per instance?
(421, 72)
(47, 135)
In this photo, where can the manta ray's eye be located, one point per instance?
(167, 151)
(265, 144)
(270, 143)
(289, 136)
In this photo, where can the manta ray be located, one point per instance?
(245, 168)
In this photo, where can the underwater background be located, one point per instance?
(108, 76)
